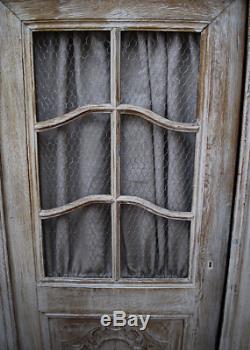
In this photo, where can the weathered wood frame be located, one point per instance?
(217, 21)
(236, 318)
(7, 320)
(115, 199)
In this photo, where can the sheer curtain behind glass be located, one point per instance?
(159, 72)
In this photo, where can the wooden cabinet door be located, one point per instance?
(119, 132)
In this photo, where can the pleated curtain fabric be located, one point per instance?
(159, 71)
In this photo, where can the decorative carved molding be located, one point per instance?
(105, 338)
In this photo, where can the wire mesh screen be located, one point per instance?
(71, 69)
(152, 246)
(159, 71)
(74, 160)
(157, 164)
(78, 244)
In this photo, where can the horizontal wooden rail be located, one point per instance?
(124, 109)
(68, 117)
(131, 200)
(155, 209)
(157, 119)
(79, 203)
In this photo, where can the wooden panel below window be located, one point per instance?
(86, 332)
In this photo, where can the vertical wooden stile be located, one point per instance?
(115, 155)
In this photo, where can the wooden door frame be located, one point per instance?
(236, 317)
(8, 337)
(13, 16)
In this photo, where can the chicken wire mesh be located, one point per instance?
(78, 244)
(74, 160)
(159, 71)
(71, 69)
(152, 246)
(157, 164)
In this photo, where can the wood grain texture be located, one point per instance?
(200, 157)
(220, 107)
(178, 10)
(155, 209)
(77, 204)
(71, 116)
(123, 109)
(156, 119)
(8, 337)
(16, 183)
(220, 103)
(141, 300)
(140, 25)
(115, 149)
(109, 283)
(236, 319)
(85, 332)
(225, 51)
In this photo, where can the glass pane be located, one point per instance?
(159, 71)
(78, 244)
(71, 69)
(152, 246)
(157, 164)
(74, 160)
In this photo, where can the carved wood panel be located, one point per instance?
(87, 333)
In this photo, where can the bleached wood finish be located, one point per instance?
(79, 203)
(161, 301)
(200, 157)
(115, 149)
(123, 109)
(8, 339)
(15, 182)
(236, 317)
(157, 119)
(224, 75)
(33, 149)
(85, 201)
(198, 299)
(110, 283)
(79, 330)
(203, 11)
(152, 25)
(155, 209)
(73, 115)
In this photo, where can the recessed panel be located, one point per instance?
(152, 246)
(78, 244)
(87, 333)
(71, 69)
(74, 160)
